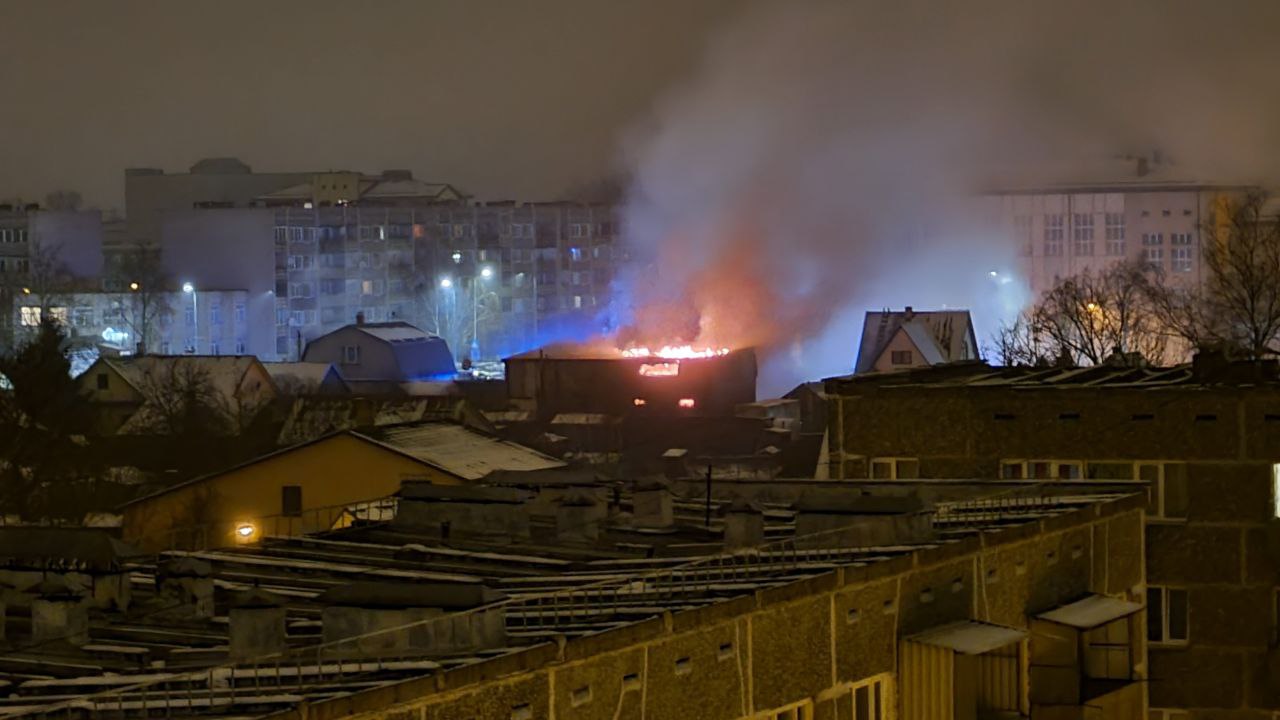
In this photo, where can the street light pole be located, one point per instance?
(195, 316)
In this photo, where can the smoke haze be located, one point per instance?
(822, 160)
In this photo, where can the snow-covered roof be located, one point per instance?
(463, 452)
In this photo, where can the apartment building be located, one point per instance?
(315, 249)
(205, 321)
(485, 276)
(1206, 439)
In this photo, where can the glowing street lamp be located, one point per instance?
(190, 289)
(486, 272)
(457, 257)
(134, 286)
(446, 283)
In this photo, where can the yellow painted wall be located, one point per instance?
(332, 472)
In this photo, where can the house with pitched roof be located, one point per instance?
(379, 357)
(128, 392)
(893, 340)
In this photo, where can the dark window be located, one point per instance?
(103, 381)
(1167, 614)
(1003, 416)
(1069, 416)
(291, 500)
(1206, 417)
(900, 357)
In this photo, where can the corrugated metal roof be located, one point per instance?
(1091, 612)
(468, 454)
(969, 637)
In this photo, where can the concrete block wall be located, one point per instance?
(807, 641)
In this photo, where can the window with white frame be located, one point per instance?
(871, 698)
(1054, 230)
(82, 317)
(894, 468)
(61, 314)
(1180, 259)
(1082, 234)
(1275, 489)
(1166, 490)
(1168, 615)
(240, 314)
(351, 354)
(29, 316)
(802, 710)
(1041, 469)
(215, 313)
(1153, 248)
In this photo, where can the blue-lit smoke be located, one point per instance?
(828, 159)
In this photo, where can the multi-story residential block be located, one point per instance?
(1204, 437)
(484, 276)
(313, 250)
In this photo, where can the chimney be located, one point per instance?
(257, 625)
(428, 618)
(578, 519)
(675, 464)
(908, 313)
(59, 613)
(652, 505)
(187, 584)
(360, 318)
(743, 525)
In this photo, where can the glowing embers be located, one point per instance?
(666, 369)
(675, 352)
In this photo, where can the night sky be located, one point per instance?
(505, 98)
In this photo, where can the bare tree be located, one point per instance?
(1088, 318)
(1019, 343)
(140, 274)
(1237, 305)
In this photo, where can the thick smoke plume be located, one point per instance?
(824, 159)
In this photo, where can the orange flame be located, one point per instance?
(674, 352)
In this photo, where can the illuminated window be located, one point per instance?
(667, 369)
(686, 403)
(640, 402)
(59, 314)
(1275, 489)
(29, 316)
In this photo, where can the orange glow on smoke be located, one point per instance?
(702, 310)
(686, 402)
(667, 369)
(673, 352)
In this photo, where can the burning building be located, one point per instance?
(672, 381)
